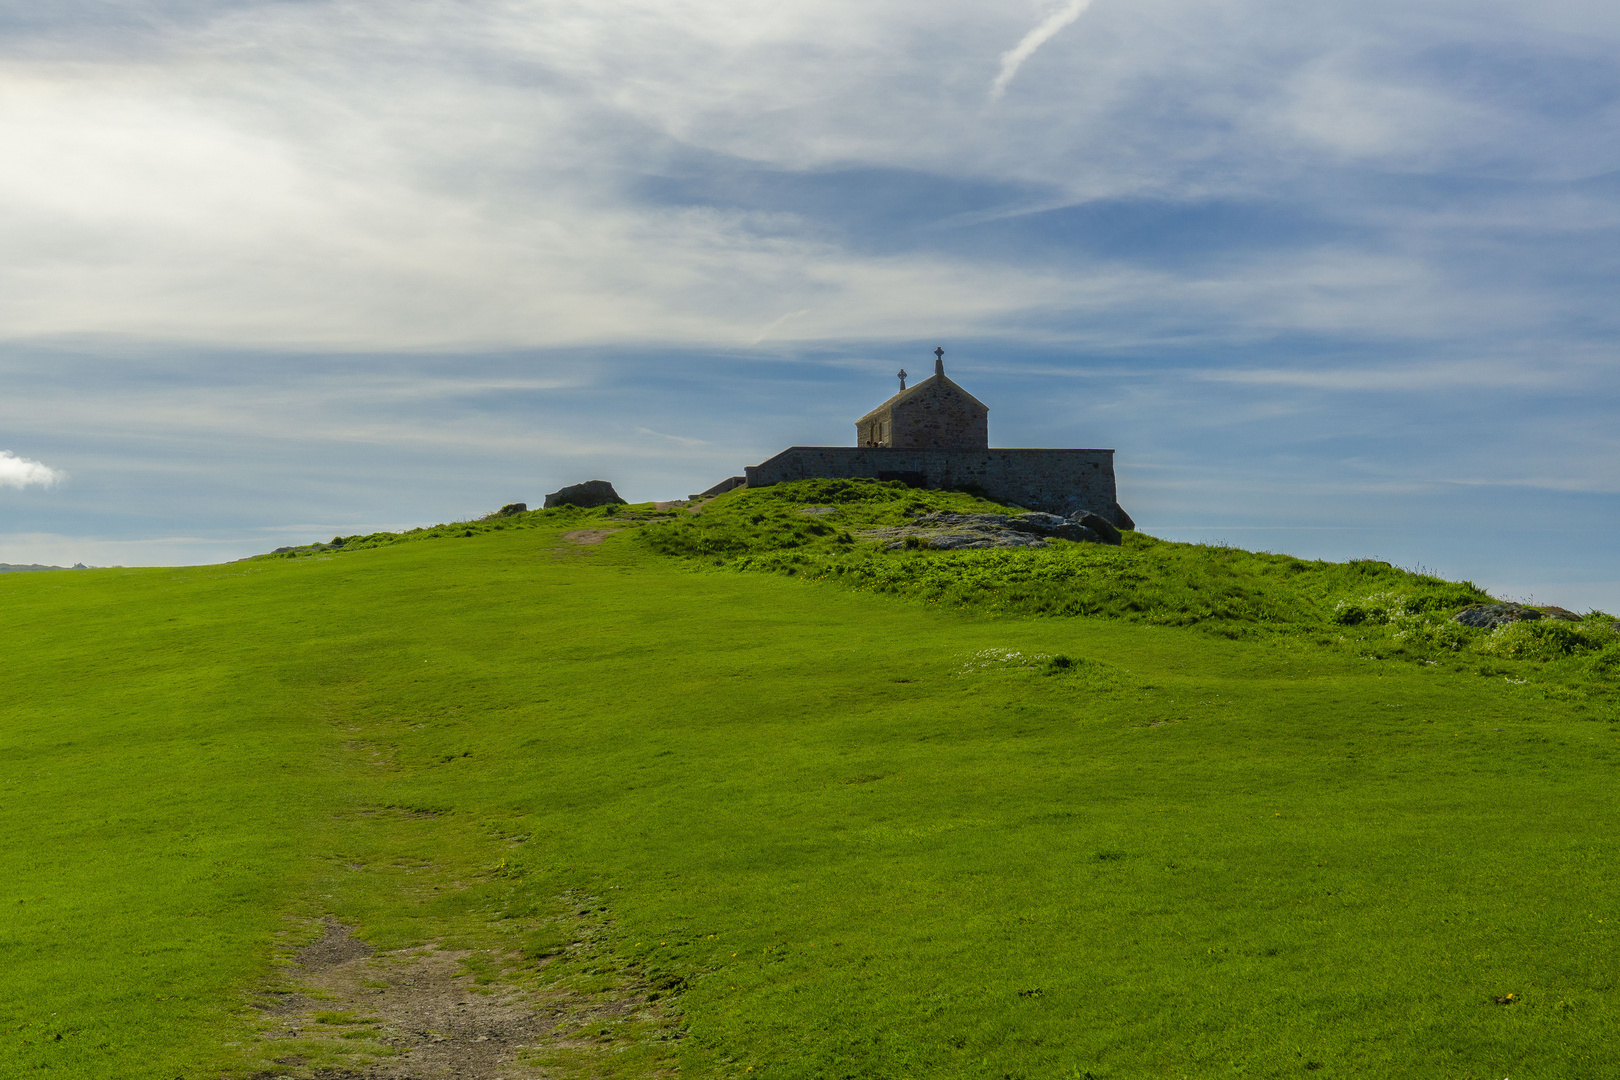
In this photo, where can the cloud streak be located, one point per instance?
(502, 172)
(1014, 58)
(21, 472)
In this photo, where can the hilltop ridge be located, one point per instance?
(841, 531)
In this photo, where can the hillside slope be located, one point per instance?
(908, 818)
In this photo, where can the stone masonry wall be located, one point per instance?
(874, 429)
(1054, 481)
(939, 415)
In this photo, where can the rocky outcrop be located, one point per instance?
(1077, 506)
(590, 493)
(1490, 616)
(1102, 526)
(956, 532)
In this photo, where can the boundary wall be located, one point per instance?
(1053, 481)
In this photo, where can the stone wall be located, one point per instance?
(940, 415)
(934, 414)
(875, 428)
(1054, 481)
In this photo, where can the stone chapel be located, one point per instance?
(936, 414)
(937, 435)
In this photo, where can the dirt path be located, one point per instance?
(418, 1003)
(418, 1014)
(589, 536)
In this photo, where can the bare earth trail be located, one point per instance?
(589, 536)
(419, 1002)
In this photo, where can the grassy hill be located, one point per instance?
(744, 794)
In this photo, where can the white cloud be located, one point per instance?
(1014, 58)
(428, 175)
(20, 472)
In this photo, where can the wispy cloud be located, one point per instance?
(431, 176)
(1014, 58)
(771, 327)
(1381, 378)
(679, 440)
(21, 472)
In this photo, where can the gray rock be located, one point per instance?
(1083, 534)
(1490, 616)
(989, 538)
(1100, 525)
(512, 508)
(590, 493)
(1113, 513)
(971, 541)
(956, 532)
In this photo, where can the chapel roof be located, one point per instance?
(933, 381)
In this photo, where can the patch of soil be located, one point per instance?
(335, 947)
(421, 1003)
(589, 536)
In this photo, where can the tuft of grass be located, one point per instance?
(342, 1018)
(1551, 639)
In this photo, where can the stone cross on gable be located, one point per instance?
(939, 361)
(902, 378)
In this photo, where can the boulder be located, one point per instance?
(1113, 513)
(590, 493)
(512, 508)
(1100, 525)
(1082, 534)
(1490, 616)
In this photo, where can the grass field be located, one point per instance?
(1150, 811)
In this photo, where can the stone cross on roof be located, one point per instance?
(902, 378)
(939, 361)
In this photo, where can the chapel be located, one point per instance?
(937, 435)
(935, 414)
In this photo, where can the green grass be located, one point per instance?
(1154, 811)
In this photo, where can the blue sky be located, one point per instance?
(1336, 280)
